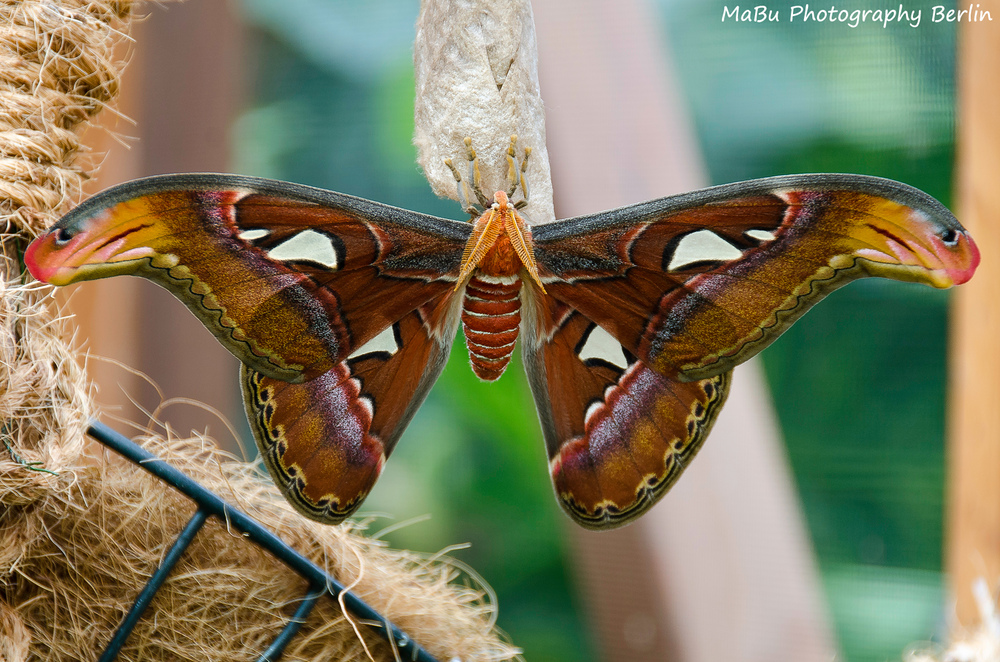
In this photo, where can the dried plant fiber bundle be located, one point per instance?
(82, 530)
(94, 545)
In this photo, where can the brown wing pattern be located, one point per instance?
(695, 284)
(326, 440)
(618, 434)
(338, 308)
(343, 311)
(290, 279)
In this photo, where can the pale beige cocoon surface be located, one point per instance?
(477, 77)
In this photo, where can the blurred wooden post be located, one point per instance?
(722, 568)
(973, 536)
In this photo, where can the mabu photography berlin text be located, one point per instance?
(902, 15)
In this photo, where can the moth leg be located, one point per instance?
(522, 178)
(474, 176)
(516, 177)
(462, 187)
(513, 169)
(516, 173)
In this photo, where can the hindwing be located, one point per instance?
(326, 440)
(618, 433)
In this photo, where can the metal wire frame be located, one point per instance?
(209, 504)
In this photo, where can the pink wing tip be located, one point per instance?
(34, 264)
(963, 275)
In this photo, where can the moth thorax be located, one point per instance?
(491, 314)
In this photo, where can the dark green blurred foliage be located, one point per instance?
(473, 456)
(859, 382)
(864, 422)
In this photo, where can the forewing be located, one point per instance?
(697, 283)
(289, 278)
(326, 440)
(618, 434)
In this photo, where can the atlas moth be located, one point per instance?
(343, 311)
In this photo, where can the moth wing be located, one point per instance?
(618, 434)
(291, 279)
(695, 284)
(326, 440)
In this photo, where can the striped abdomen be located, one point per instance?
(491, 314)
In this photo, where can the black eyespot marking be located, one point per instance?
(949, 237)
(62, 236)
